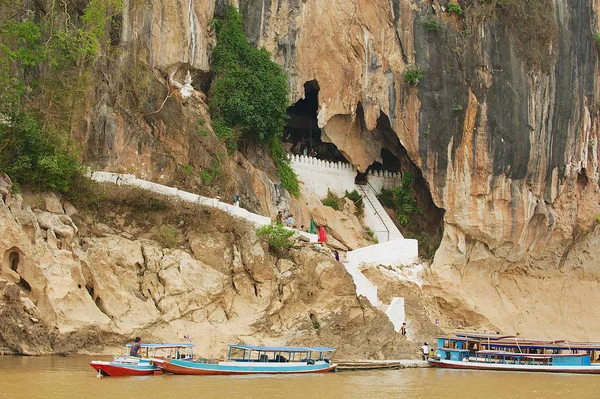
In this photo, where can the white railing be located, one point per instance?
(375, 215)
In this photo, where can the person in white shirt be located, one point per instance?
(425, 351)
(290, 221)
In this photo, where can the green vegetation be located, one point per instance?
(454, 8)
(402, 200)
(337, 203)
(413, 75)
(277, 236)
(355, 197)
(597, 40)
(202, 132)
(427, 130)
(371, 235)
(210, 176)
(427, 244)
(288, 177)
(226, 135)
(249, 95)
(187, 169)
(250, 91)
(458, 108)
(44, 71)
(431, 25)
(332, 201)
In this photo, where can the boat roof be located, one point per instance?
(283, 348)
(476, 335)
(513, 341)
(166, 346)
(528, 355)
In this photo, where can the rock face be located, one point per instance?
(95, 288)
(503, 127)
(506, 142)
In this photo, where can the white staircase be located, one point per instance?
(376, 218)
(363, 285)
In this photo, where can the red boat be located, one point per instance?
(131, 365)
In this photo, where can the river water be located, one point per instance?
(72, 377)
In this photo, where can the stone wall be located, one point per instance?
(391, 253)
(319, 176)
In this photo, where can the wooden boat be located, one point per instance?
(246, 359)
(474, 351)
(125, 365)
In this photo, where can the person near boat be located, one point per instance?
(425, 351)
(135, 348)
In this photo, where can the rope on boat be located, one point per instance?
(517, 342)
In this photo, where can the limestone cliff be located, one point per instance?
(503, 128)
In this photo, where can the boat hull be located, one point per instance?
(462, 365)
(114, 369)
(241, 368)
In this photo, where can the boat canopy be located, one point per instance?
(480, 336)
(165, 346)
(282, 348)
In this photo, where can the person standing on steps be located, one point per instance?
(236, 200)
(135, 348)
(336, 255)
(403, 329)
(290, 220)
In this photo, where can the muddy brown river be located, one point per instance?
(71, 377)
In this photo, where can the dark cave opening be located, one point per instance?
(13, 260)
(24, 285)
(425, 225)
(302, 133)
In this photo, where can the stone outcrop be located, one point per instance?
(102, 286)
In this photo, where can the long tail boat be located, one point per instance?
(474, 351)
(125, 365)
(246, 359)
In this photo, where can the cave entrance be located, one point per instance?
(419, 217)
(302, 134)
(13, 260)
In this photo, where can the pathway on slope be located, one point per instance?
(384, 227)
(131, 180)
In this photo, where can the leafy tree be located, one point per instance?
(250, 91)
(44, 71)
(402, 200)
(249, 95)
(276, 235)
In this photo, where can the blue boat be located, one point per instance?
(473, 351)
(248, 359)
(126, 365)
